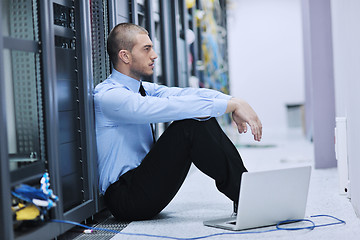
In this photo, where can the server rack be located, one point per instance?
(212, 45)
(47, 109)
(74, 108)
(23, 151)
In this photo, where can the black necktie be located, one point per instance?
(143, 93)
(142, 90)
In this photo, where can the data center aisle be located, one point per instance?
(199, 200)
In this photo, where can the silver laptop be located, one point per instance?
(269, 197)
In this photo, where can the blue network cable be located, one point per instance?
(278, 228)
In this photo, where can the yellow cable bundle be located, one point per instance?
(26, 212)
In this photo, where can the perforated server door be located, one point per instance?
(99, 32)
(23, 89)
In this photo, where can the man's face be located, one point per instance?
(142, 57)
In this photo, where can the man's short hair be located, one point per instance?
(122, 37)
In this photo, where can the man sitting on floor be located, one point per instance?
(138, 175)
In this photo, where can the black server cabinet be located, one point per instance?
(167, 44)
(69, 104)
(46, 82)
(76, 173)
(100, 27)
(23, 144)
(180, 26)
(99, 32)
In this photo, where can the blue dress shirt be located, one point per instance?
(123, 118)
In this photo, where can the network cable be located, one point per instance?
(279, 227)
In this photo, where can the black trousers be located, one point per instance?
(146, 190)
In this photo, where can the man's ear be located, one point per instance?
(124, 55)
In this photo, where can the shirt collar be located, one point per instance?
(130, 82)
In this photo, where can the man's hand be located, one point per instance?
(244, 115)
